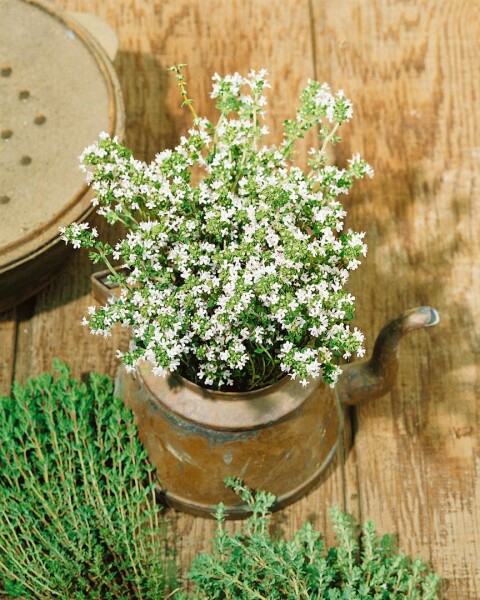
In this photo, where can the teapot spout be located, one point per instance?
(374, 378)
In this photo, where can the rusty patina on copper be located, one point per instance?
(279, 439)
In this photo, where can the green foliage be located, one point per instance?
(79, 515)
(252, 565)
(80, 520)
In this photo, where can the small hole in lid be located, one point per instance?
(4, 199)
(24, 94)
(25, 160)
(6, 133)
(5, 70)
(39, 119)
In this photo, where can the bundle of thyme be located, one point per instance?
(79, 516)
(252, 565)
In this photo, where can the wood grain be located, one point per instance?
(411, 69)
(8, 331)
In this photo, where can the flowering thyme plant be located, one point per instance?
(239, 277)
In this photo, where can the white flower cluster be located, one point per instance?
(239, 278)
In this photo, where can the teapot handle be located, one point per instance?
(102, 287)
(374, 378)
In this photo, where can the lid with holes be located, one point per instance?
(58, 91)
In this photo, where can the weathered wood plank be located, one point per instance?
(411, 69)
(53, 330)
(8, 333)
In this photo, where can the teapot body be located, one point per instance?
(280, 438)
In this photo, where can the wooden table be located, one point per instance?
(412, 70)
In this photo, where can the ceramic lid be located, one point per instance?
(57, 93)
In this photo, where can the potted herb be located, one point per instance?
(235, 266)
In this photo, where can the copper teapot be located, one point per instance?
(280, 438)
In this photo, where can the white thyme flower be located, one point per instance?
(246, 266)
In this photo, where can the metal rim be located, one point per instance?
(215, 410)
